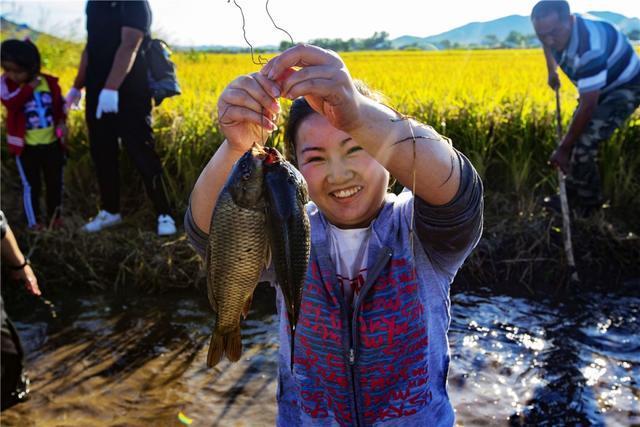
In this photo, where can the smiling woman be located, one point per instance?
(346, 145)
(338, 171)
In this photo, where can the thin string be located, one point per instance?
(261, 60)
(266, 6)
(413, 189)
(413, 139)
(413, 176)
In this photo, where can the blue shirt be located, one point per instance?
(598, 56)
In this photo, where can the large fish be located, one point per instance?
(237, 252)
(288, 230)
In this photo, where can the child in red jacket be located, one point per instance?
(35, 128)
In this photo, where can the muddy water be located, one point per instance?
(107, 360)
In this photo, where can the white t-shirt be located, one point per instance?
(348, 251)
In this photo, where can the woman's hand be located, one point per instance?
(28, 278)
(323, 79)
(247, 110)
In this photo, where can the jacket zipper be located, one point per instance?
(350, 359)
(346, 340)
(382, 260)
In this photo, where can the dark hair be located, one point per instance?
(300, 110)
(22, 53)
(545, 8)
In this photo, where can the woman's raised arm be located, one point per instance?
(324, 80)
(246, 113)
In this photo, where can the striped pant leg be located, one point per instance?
(30, 178)
(614, 108)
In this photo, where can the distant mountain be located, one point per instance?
(625, 24)
(476, 33)
(11, 29)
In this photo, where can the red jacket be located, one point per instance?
(14, 96)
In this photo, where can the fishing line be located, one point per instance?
(266, 6)
(413, 139)
(413, 174)
(261, 60)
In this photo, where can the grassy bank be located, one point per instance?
(495, 107)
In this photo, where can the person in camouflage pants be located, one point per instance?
(605, 68)
(613, 110)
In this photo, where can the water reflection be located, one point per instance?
(140, 361)
(519, 362)
(132, 360)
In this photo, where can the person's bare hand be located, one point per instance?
(322, 78)
(247, 110)
(554, 81)
(28, 278)
(560, 158)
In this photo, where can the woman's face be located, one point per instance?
(15, 72)
(344, 181)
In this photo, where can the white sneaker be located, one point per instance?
(166, 225)
(103, 220)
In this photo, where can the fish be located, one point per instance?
(288, 231)
(237, 253)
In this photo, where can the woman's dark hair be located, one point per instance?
(300, 110)
(22, 53)
(546, 7)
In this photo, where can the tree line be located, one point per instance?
(380, 41)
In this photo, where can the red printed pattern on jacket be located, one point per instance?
(390, 375)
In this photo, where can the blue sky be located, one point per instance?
(197, 22)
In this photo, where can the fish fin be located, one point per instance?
(212, 299)
(233, 345)
(267, 254)
(216, 349)
(247, 306)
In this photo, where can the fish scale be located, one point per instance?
(289, 231)
(236, 255)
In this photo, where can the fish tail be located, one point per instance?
(233, 345)
(216, 349)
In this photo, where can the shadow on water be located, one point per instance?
(137, 360)
(134, 339)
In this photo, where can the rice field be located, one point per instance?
(493, 104)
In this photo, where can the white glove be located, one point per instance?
(107, 102)
(72, 99)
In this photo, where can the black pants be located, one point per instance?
(132, 124)
(35, 161)
(14, 383)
